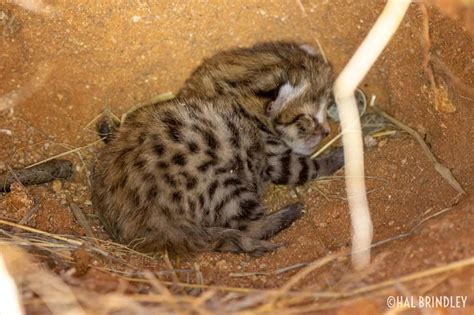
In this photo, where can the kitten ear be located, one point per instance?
(310, 50)
(286, 94)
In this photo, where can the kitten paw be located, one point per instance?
(332, 161)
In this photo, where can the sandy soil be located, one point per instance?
(93, 54)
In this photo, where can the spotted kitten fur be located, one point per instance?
(188, 175)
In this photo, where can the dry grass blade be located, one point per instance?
(414, 276)
(66, 153)
(300, 275)
(157, 99)
(81, 218)
(440, 168)
(30, 229)
(168, 263)
(262, 273)
(326, 146)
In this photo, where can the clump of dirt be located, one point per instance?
(118, 55)
(15, 205)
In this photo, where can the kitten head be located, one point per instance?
(299, 110)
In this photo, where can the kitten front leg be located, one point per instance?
(273, 223)
(290, 168)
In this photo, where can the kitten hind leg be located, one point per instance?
(235, 241)
(273, 223)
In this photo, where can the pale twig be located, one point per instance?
(271, 273)
(414, 276)
(30, 229)
(66, 153)
(321, 50)
(417, 225)
(326, 146)
(301, 6)
(168, 263)
(20, 240)
(157, 99)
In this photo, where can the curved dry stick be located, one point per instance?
(344, 89)
(40, 174)
(440, 168)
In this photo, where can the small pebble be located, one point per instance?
(293, 194)
(370, 141)
(57, 185)
(382, 143)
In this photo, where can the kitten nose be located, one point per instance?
(325, 129)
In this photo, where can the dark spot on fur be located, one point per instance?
(141, 138)
(179, 159)
(166, 211)
(303, 175)
(174, 126)
(148, 178)
(201, 201)
(175, 134)
(193, 147)
(316, 165)
(152, 193)
(237, 192)
(213, 156)
(232, 182)
(212, 189)
(192, 208)
(205, 166)
(210, 139)
(170, 180)
(123, 180)
(177, 196)
(139, 164)
(273, 142)
(162, 165)
(249, 164)
(221, 170)
(247, 207)
(191, 182)
(159, 149)
(135, 197)
(285, 164)
(114, 187)
(235, 135)
(248, 204)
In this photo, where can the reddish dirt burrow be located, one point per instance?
(92, 55)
